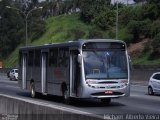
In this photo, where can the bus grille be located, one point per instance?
(103, 93)
(107, 82)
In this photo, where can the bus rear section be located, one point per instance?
(44, 69)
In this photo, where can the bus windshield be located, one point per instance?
(105, 64)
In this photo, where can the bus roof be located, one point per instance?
(77, 43)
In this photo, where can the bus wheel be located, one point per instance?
(33, 92)
(66, 97)
(106, 100)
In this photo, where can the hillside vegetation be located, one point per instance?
(59, 29)
(138, 26)
(65, 28)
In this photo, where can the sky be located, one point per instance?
(123, 1)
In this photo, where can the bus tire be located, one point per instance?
(106, 100)
(66, 97)
(33, 92)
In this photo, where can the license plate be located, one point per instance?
(109, 92)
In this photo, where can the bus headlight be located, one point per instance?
(91, 82)
(124, 82)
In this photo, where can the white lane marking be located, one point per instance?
(9, 86)
(53, 106)
(139, 85)
(156, 98)
(8, 81)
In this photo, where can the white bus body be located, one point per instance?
(97, 68)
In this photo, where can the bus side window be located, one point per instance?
(63, 58)
(53, 57)
(37, 58)
(30, 59)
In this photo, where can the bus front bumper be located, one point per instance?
(88, 92)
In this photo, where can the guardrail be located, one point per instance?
(138, 72)
(4, 70)
(143, 72)
(146, 67)
(14, 108)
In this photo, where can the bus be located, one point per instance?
(93, 68)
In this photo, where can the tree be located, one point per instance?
(155, 54)
(152, 9)
(156, 43)
(97, 12)
(8, 33)
(35, 2)
(139, 28)
(12, 26)
(105, 19)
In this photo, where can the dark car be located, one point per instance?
(8, 72)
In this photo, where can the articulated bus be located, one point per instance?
(94, 68)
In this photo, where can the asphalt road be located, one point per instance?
(139, 103)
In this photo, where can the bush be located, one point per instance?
(156, 43)
(128, 13)
(36, 29)
(128, 38)
(104, 19)
(155, 47)
(147, 47)
(155, 28)
(95, 33)
(75, 33)
(139, 28)
(124, 35)
(134, 28)
(152, 10)
(111, 33)
(97, 12)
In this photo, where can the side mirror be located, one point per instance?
(79, 58)
(130, 62)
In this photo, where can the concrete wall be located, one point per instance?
(142, 72)
(138, 72)
(12, 108)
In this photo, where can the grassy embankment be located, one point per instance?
(69, 27)
(58, 29)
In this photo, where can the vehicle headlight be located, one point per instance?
(91, 82)
(124, 82)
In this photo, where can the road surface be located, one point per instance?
(139, 103)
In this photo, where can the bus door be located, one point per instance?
(24, 70)
(44, 59)
(74, 73)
